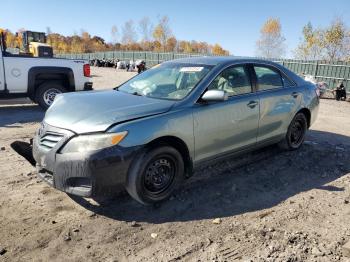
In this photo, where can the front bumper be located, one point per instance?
(88, 86)
(87, 174)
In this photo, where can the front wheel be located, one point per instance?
(155, 174)
(296, 133)
(47, 92)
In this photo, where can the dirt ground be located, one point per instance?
(264, 206)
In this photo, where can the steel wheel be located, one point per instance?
(297, 132)
(159, 175)
(47, 92)
(155, 174)
(49, 95)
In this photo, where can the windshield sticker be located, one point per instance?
(191, 69)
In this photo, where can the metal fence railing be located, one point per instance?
(329, 72)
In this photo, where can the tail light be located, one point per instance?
(317, 90)
(86, 69)
(318, 93)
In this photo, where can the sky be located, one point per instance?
(234, 24)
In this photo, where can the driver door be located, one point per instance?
(231, 125)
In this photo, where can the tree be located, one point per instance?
(184, 47)
(129, 33)
(85, 41)
(330, 43)
(114, 34)
(145, 29)
(171, 44)
(203, 47)
(162, 31)
(311, 45)
(334, 41)
(271, 43)
(218, 50)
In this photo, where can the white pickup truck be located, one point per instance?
(41, 79)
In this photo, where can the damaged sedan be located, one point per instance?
(152, 132)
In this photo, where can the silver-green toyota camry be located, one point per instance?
(150, 133)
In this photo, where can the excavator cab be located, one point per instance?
(34, 43)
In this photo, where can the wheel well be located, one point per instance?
(57, 78)
(40, 75)
(180, 146)
(307, 114)
(60, 79)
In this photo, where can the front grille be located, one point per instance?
(49, 140)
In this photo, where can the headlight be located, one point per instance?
(85, 143)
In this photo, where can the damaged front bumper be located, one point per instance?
(85, 174)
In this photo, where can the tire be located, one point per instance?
(47, 92)
(296, 133)
(145, 184)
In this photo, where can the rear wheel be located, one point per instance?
(296, 133)
(155, 174)
(47, 92)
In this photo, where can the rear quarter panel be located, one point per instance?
(310, 100)
(278, 108)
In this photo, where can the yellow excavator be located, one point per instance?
(34, 44)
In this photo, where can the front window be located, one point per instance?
(234, 81)
(168, 81)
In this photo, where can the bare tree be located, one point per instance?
(271, 43)
(129, 33)
(145, 29)
(114, 34)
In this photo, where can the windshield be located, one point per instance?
(168, 81)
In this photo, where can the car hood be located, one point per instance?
(85, 112)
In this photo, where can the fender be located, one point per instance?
(49, 73)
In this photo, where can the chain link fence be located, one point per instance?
(329, 72)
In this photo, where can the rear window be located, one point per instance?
(267, 78)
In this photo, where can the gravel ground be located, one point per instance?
(264, 206)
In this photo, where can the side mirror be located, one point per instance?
(214, 96)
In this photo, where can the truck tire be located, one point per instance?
(47, 92)
(155, 174)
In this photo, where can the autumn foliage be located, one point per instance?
(271, 42)
(143, 37)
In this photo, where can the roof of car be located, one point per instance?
(215, 60)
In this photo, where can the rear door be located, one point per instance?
(279, 98)
(231, 125)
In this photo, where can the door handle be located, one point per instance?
(295, 94)
(252, 104)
